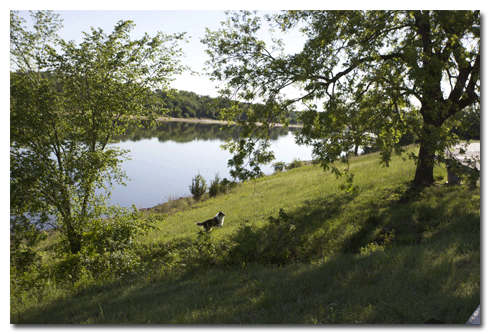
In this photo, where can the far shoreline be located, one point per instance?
(213, 121)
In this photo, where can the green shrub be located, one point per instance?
(198, 187)
(108, 245)
(205, 247)
(295, 164)
(279, 166)
(276, 243)
(24, 237)
(232, 184)
(214, 188)
(226, 184)
(244, 246)
(223, 185)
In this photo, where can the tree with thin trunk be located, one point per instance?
(67, 101)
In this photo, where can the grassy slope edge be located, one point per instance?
(382, 255)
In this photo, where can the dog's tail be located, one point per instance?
(199, 224)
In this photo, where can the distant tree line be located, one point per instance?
(185, 104)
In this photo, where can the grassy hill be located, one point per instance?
(294, 249)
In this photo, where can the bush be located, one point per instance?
(227, 184)
(24, 237)
(276, 243)
(215, 186)
(205, 249)
(224, 185)
(108, 244)
(279, 166)
(295, 164)
(198, 187)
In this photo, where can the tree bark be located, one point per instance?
(75, 240)
(424, 174)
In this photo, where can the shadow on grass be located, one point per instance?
(292, 236)
(420, 284)
(411, 194)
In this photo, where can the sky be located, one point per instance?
(193, 22)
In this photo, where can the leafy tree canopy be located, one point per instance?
(365, 78)
(65, 107)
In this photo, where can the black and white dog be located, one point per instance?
(216, 221)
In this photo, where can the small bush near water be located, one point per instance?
(198, 187)
(295, 164)
(215, 187)
(279, 166)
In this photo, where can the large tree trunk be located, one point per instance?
(424, 175)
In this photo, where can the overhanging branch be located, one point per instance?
(356, 63)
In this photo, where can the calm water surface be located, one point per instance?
(164, 160)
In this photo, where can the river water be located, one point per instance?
(166, 157)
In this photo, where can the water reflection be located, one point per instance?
(166, 157)
(184, 132)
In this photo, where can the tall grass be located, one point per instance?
(293, 249)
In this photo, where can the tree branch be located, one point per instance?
(356, 63)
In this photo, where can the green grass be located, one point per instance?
(379, 255)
